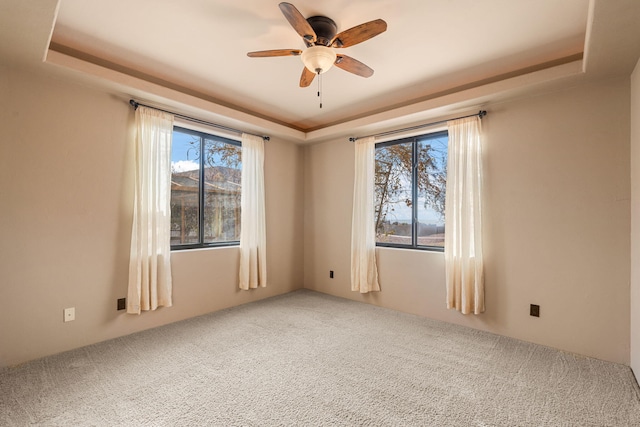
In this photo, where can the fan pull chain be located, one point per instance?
(320, 88)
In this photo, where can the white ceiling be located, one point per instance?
(430, 45)
(431, 49)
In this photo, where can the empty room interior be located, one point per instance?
(554, 89)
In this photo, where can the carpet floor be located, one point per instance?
(308, 359)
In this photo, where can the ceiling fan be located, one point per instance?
(320, 35)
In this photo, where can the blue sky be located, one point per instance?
(181, 159)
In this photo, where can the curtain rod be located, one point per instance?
(136, 104)
(480, 114)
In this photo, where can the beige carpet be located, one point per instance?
(310, 359)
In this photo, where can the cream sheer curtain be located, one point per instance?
(149, 264)
(253, 235)
(364, 271)
(463, 217)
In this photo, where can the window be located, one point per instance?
(205, 190)
(410, 181)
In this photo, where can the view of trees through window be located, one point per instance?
(205, 189)
(410, 182)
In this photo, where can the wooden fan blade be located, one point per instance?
(353, 66)
(359, 34)
(298, 22)
(276, 52)
(307, 77)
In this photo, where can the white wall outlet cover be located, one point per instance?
(69, 314)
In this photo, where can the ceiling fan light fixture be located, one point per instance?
(318, 59)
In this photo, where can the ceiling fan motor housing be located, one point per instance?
(325, 28)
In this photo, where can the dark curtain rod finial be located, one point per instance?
(134, 104)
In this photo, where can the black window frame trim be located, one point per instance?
(202, 245)
(414, 189)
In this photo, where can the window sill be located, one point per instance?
(199, 248)
(432, 249)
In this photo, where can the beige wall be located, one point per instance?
(635, 220)
(557, 214)
(557, 224)
(66, 170)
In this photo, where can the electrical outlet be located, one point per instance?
(330, 274)
(534, 310)
(69, 314)
(122, 303)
